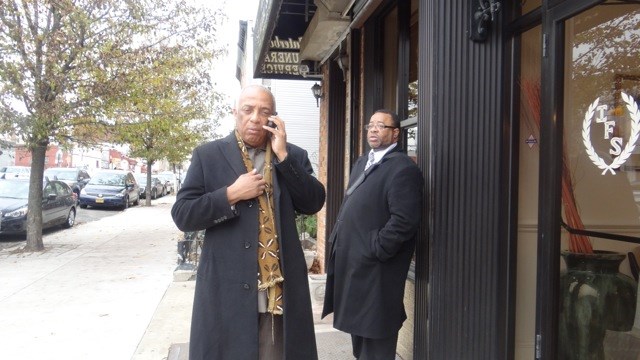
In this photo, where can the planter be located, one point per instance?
(317, 284)
(309, 256)
(595, 297)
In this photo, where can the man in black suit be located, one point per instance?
(373, 241)
(252, 294)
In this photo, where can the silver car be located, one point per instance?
(15, 172)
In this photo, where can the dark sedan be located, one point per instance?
(110, 188)
(75, 178)
(168, 179)
(58, 205)
(157, 187)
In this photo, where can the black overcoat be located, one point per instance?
(371, 248)
(225, 311)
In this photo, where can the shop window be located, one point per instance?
(602, 66)
(410, 134)
(390, 58)
(601, 186)
(399, 70)
(412, 106)
(528, 142)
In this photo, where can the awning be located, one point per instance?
(279, 27)
(326, 29)
(292, 36)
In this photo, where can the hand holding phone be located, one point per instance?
(278, 136)
(270, 123)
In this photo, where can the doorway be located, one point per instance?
(588, 130)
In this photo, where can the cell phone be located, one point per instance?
(270, 123)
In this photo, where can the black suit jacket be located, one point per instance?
(372, 244)
(225, 310)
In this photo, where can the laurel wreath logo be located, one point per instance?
(632, 106)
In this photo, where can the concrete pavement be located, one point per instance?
(106, 290)
(92, 292)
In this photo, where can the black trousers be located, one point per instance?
(374, 349)
(270, 337)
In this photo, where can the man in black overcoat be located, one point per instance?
(373, 241)
(252, 294)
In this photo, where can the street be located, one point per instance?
(83, 216)
(93, 291)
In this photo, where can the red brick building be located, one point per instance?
(55, 157)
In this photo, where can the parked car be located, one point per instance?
(169, 180)
(75, 178)
(58, 205)
(17, 172)
(110, 188)
(157, 187)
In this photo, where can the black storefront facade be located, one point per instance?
(523, 118)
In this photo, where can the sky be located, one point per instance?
(225, 70)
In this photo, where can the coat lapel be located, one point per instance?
(358, 169)
(360, 174)
(233, 155)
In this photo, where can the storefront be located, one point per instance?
(524, 119)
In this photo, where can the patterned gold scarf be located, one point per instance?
(269, 274)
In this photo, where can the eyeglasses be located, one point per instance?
(379, 126)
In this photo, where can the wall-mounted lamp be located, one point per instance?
(482, 16)
(317, 93)
(343, 62)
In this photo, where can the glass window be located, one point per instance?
(528, 172)
(412, 105)
(411, 142)
(600, 183)
(602, 87)
(390, 58)
(49, 190)
(60, 189)
(14, 189)
(65, 189)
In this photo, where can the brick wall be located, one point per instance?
(322, 175)
(23, 157)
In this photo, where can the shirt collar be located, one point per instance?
(249, 147)
(378, 155)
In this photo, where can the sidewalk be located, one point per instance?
(168, 331)
(92, 292)
(167, 336)
(106, 290)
